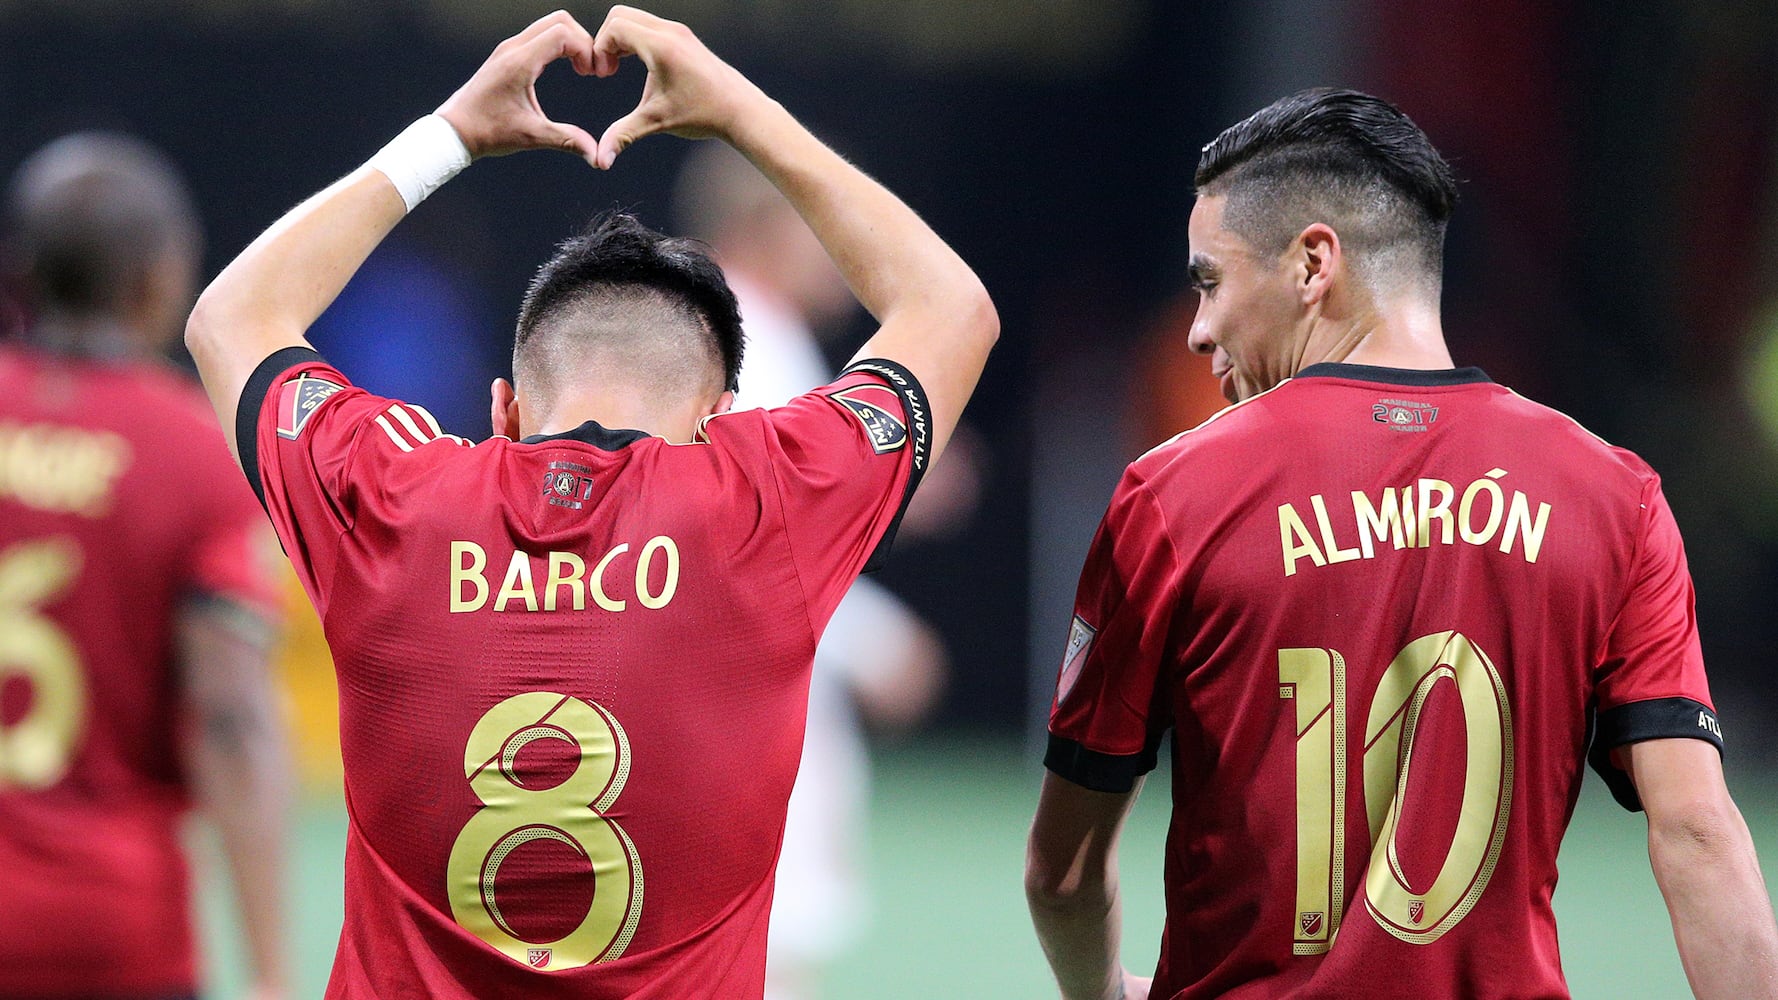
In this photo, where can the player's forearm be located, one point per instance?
(242, 788)
(1079, 929)
(238, 765)
(1722, 915)
(268, 297)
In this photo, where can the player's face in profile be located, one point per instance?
(1248, 307)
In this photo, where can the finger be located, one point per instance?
(626, 32)
(621, 134)
(561, 40)
(539, 26)
(572, 139)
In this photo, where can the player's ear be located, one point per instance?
(723, 403)
(504, 414)
(1319, 261)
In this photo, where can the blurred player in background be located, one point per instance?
(877, 656)
(1374, 559)
(574, 659)
(136, 602)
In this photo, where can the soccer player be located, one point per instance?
(1388, 609)
(136, 601)
(574, 659)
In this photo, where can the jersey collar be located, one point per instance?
(1396, 376)
(591, 432)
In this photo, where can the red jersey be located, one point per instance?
(573, 671)
(118, 503)
(1383, 612)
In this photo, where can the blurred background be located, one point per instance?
(1614, 256)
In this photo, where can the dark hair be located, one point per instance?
(89, 213)
(1354, 158)
(616, 256)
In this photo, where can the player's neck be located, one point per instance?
(1405, 333)
(616, 409)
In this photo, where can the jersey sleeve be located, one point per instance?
(1651, 684)
(1109, 711)
(315, 448)
(845, 460)
(230, 557)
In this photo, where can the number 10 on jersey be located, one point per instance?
(1315, 681)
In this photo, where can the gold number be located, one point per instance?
(570, 813)
(1316, 679)
(35, 750)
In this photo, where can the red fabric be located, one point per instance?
(771, 514)
(1187, 587)
(122, 467)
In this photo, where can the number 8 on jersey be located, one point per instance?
(570, 813)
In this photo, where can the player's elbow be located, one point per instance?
(1705, 833)
(981, 319)
(202, 327)
(1061, 884)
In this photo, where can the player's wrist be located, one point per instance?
(422, 158)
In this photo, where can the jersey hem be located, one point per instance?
(1654, 719)
(1100, 772)
(253, 396)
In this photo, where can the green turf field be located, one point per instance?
(947, 852)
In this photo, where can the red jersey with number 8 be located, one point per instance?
(573, 671)
(1384, 614)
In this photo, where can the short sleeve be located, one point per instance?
(1651, 684)
(319, 447)
(845, 460)
(230, 555)
(1110, 711)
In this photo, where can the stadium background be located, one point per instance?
(1613, 257)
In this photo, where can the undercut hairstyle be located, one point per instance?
(1343, 158)
(628, 303)
(89, 215)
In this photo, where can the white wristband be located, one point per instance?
(420, 159)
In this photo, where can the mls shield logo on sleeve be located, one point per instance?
(1080, 641)
(539, 957)
(298, 400)
(887, 431)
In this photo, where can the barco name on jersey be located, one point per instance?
(566, 583)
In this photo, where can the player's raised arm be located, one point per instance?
(1704, 861)
(936, 318)
(267, 298)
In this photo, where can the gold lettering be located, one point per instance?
(1297, 543)
(1441, 509)
(517, 585)
(659, 543)
(1518, 519)
(1383, 525)
(557, 562)
(596, 581)
(1335, 554)
(470, 574)
(1496, 509)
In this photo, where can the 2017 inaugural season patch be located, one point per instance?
(298, 399)
(887, 431)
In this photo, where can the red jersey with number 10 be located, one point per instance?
(1383, 613)
(573, 672)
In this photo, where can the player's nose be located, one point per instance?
(1200, 339)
